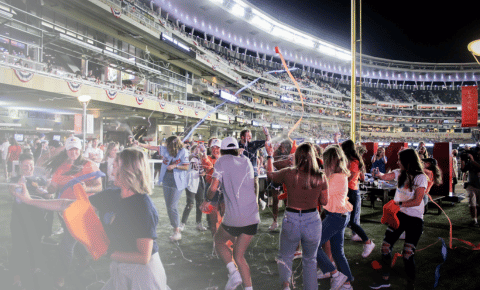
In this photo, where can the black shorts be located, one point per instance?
(237, 231)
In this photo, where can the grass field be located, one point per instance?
(190, 264)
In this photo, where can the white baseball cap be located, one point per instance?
(73, 142)
(229, 143)
(216, 142)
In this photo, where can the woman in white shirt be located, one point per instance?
(412, 183)
(107, 164)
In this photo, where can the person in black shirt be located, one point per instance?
(250, 149)
(27, 226)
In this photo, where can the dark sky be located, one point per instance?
(418, 31)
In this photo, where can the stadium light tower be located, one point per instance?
(474, 48)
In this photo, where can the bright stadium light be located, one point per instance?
(217, 1)
(474, 48)
(238, 10)
(305, 42)
(282, 33)
(326, 50)
(261, 23)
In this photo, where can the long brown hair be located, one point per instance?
(306, 162)
(437, 172)
(56, 161)
(174, 145)
(412, 166)
(351, 152)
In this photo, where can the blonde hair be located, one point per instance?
(335, 161)
(134, 171)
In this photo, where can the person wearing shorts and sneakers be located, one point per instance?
(471, 165)
(233, 175)
(412, 185)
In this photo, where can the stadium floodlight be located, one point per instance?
(237, 10)
(305, 42)
(217, 1)
(282, 33)
(343, 55)
(474, 47)
(327, 50)
(262, 23)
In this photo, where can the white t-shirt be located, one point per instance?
(237, 184)
(110, 175)
(404, 194)
(4, 149)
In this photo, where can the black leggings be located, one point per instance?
(198, 198)
(413, 228)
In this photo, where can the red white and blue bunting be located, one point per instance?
(116, 12)
(23, 76)
(140, 100)
(162, 105)
(180, 109)
(74, 86)
(111, 94)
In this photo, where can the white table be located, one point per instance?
(152, 163)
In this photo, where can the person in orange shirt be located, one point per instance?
(357, 168)
(208, 163)
(70, 167)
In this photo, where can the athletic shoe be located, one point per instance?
(381, 284)
(200, 227)
(273, 227)
(234, 280)
(59, 231)
(263, 204)
(181, 227)
(337, 280)
(402, 236)
(177, 236)
(356, 238)
(367, 249)
(49, 241)
(297, 255)
(346, 287)
(321, 275)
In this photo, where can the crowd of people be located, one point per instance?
(319, 186)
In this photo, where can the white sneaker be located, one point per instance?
(346, 287)
(402, 236)
(181, 227)
(356, 238)
(367, 249)
(337, 281)
(200, 227)
(321, 275)
(234, 280)
(273, 227)
(176, 237)
(297, 255)
(59, 231)
(263, 204)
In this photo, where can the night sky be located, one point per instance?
(417, 31)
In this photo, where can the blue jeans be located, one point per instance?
(334, 231)
(307, 229)
(172, 197)
(355, 199)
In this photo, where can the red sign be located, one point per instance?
(469, 106)
(77, 124)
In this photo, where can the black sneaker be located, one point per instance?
(380, 284)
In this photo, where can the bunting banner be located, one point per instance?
(111, 94)
(162, 105)
(180, 109)
(74, 86)
(23, 76)
(116, 12)
(469, 106)
(140, 100)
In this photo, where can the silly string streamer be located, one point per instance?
(277, 50)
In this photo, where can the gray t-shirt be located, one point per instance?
(237, 184)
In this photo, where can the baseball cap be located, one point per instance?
(216, 142)
(229, 143)
(73, 142)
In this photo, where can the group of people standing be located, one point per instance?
(222, 180)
